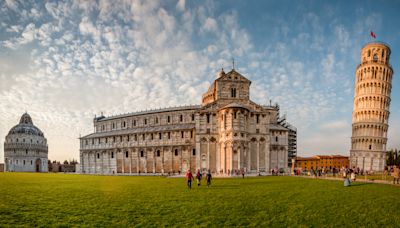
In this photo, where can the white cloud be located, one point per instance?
(210, 25)
(180, 5)
(86, 27)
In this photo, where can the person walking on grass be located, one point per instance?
(208, 178)
(395, 175)
(189, 178)
(198, 177)
(352, 175)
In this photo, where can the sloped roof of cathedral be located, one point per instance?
(235, 105)
(170, 109)
(140, 130)
(277, 127)
(232, 73)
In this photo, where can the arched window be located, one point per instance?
(181, 118)
(124, 124)
(276, 139)
(145, 121)
(369, 53)
(168, 119)
(233, 92)
(192, 117)
(112, 154)
(182, 134)
(158, 153)
(98, 156)
(375, 57)
(176, 152)
(370, 147)
(156, 120)
(26, 151)
(141, 153)
(159, 135)
(126, 154)
(194, 152)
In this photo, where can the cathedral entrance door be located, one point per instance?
(235, 160)
(184, 166)
(38, 165)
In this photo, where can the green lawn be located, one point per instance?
(83, 200)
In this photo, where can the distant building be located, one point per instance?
(25, 148)
(322, 161)
(228, 132)
(66, 167)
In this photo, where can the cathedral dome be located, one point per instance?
(26, 126)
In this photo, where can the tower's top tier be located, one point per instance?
(375, 52)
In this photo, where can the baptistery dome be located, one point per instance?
(25, 147)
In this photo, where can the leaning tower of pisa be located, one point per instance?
(373, 84)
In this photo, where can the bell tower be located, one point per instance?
(373, 84)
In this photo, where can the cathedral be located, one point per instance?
(227, 134)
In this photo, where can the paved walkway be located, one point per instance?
(359, 179)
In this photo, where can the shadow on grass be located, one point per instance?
(225, 186)
(359, 184)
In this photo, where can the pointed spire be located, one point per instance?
(233, 63)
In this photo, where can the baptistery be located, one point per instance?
(25, 148)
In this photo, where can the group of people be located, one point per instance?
(189, 178)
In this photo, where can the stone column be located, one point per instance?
(95, 162)
(130, 160)
(137, 161)
(123, 161)
(102, 162)
(249, 157)
(258, 156)
(162, 160)
(208, 154)
(232, 154)
(180, 168)
(267, 158)
(154, 161)
(218, 157)
(224, 159)
(145, 162)
(239, 154)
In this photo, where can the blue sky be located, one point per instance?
(65, 61)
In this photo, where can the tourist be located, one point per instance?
(395, 175)
(352, 175)
(208, 178)
(189, 178)
(198, 177)
(242, 172)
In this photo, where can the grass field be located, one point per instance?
(82, 200)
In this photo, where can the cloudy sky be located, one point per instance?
(65, 61)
